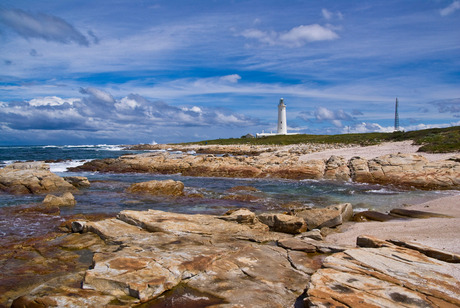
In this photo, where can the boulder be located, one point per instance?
(337, 169)
(31, 178)
(242, 216)
(67, 199)
(283, 223)
(78, 181)
(331, 216)
(156, 188)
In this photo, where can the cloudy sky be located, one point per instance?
(142, 71)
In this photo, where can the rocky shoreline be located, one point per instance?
(238, 259)
(408, 169)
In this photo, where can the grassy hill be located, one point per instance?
(434, 140)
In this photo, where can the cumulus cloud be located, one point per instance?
(296, 37)
(454, 6)
(97, 112)
(364, 127)
(43, 26)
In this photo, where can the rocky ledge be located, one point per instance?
(398, 169)
(36, 178)
(236, 261)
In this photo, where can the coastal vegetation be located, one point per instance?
(433, 140)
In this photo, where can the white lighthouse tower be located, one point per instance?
(282, 125)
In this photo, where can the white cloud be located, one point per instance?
(296, 37)
(368, 128)
(231, 78)
(51, 101)
(328, 15)
(450, 9)
(126, 103)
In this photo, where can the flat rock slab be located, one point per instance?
(383, 277)
(158, 251)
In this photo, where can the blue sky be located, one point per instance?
(126, 71)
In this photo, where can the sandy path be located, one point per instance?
(373, 151)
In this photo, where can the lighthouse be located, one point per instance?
(282, 125)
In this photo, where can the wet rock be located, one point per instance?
(372, 216)
(283, 223)
(167, 187)
(382, 277)
(415, 214)
(67, 199)
(78, 181)
(31, 178)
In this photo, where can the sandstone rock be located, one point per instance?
(382, 277)
(337, 169)
(397, 169)
(296, 244)
(314, 234)
(429, 251)
(67, 199)
(31, 178)
(283, 223)
(242, 216)
(332, 216)
(167, 187)
(78, 181)
(359, 170)
(158, 250)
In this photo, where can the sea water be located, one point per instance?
(107, 192)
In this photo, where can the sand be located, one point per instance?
(373, 151)
(440, 233)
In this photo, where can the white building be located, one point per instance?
(282, 123)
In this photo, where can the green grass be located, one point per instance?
(434, 140)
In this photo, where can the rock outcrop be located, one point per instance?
(67, 199)
(158, 188)
(398, 169)
(31, 178)
(235, 261)
(383, 276)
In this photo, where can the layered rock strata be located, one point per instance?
(398, 169)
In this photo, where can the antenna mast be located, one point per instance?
(396, 117)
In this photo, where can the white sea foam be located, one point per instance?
(382, 191)
(64, 166)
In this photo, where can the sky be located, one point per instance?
(140, 71)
